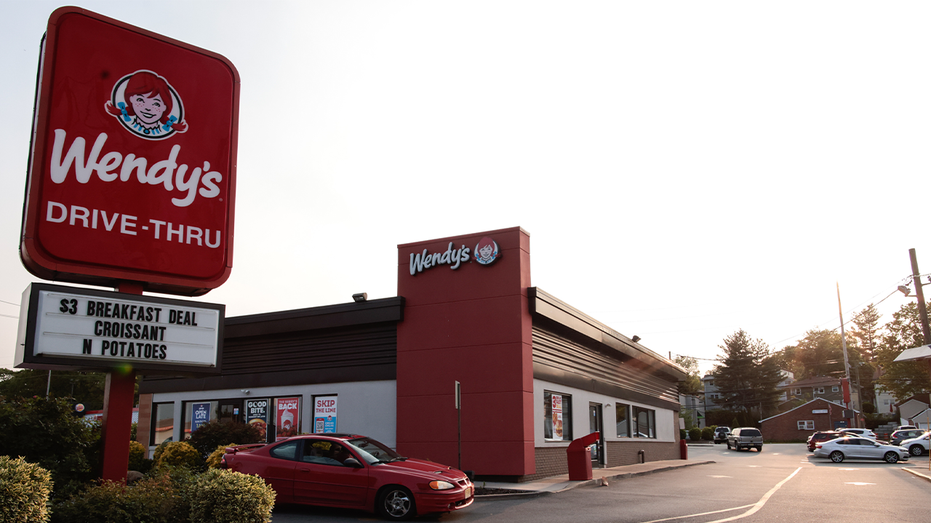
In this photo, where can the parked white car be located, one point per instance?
(863, 433)
(853, 447)
(917, 446)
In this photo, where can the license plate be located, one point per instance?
(468, 492)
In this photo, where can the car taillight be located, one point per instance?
(223, 464)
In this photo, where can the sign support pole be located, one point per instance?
(116, 428)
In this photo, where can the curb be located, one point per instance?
(589, 482)
(916, 473)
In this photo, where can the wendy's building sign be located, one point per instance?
(133, 162)
(83, 328)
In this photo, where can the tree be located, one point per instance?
(820, 353)
(80, 387)
(902, 378)
(748, 374)
(866, 330)
(692, 382)
(48, 433)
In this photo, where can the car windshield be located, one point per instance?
(373, 451)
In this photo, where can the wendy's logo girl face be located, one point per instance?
(486, 251)
(147, 106)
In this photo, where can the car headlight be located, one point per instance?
(441, 485)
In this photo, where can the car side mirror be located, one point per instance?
(352, 462)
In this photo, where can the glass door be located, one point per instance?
(595, 424)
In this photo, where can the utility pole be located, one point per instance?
(922, 308)
(843, 341)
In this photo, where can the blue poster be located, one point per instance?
(201, 415)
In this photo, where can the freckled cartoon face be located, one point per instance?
(486, 252)
(148, 109)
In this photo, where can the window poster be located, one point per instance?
(257, 415)
(287, 413)
(325, 414)
(200, 414)
(557, 415)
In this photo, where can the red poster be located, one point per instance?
(287, 417)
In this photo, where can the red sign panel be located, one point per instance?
(133, 165)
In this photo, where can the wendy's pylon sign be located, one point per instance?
(133, 163)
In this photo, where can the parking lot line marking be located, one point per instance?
(753, 507)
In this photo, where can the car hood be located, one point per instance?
(423, 468)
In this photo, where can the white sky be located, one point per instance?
(684, 169)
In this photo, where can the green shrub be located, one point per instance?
(179, 454)
(707, 433)
(137, 459)
(210, 435)
(695, 434)
(224, 496)
(213, 460)
(47, 433)
(151, 500)
(24, 491)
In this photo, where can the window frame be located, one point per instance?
(806, 424)
(650, 422)
(627, 418)
(566, 411)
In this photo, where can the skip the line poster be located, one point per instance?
(325, 414)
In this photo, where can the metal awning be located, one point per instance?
(918, 353)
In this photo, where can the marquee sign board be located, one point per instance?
(68, 327)
(133, 159)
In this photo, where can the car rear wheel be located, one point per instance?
(916, 450)
(396, 503)
(837, 456)
(891, 457)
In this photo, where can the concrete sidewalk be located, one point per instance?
(562, 483)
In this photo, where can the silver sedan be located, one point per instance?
(859, 448)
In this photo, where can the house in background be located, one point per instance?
(913, 410)
(797, 424)
(712, 397)
(824, 387)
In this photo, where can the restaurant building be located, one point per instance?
(469, 365)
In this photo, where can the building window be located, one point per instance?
(806, 424)
(163, 423)
(645, 420)
(623, 420)
(819, 390)
(557, 416)
(835, 388)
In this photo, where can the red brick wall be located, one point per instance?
(784, 428)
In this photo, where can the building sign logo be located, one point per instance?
(147, 106)
(486, 251)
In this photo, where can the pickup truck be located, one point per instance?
(744, 438)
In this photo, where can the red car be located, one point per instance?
(344, 470)
(821, 437)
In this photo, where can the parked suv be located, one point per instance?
(901, 435)
(917, 446)
(720, 434)
(744, 438)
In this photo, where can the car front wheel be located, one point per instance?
(837, 456)
(396, 503)
(891, 457)
(728, 445)
(916, 450)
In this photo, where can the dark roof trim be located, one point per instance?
(313, 318)
(548, 306)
